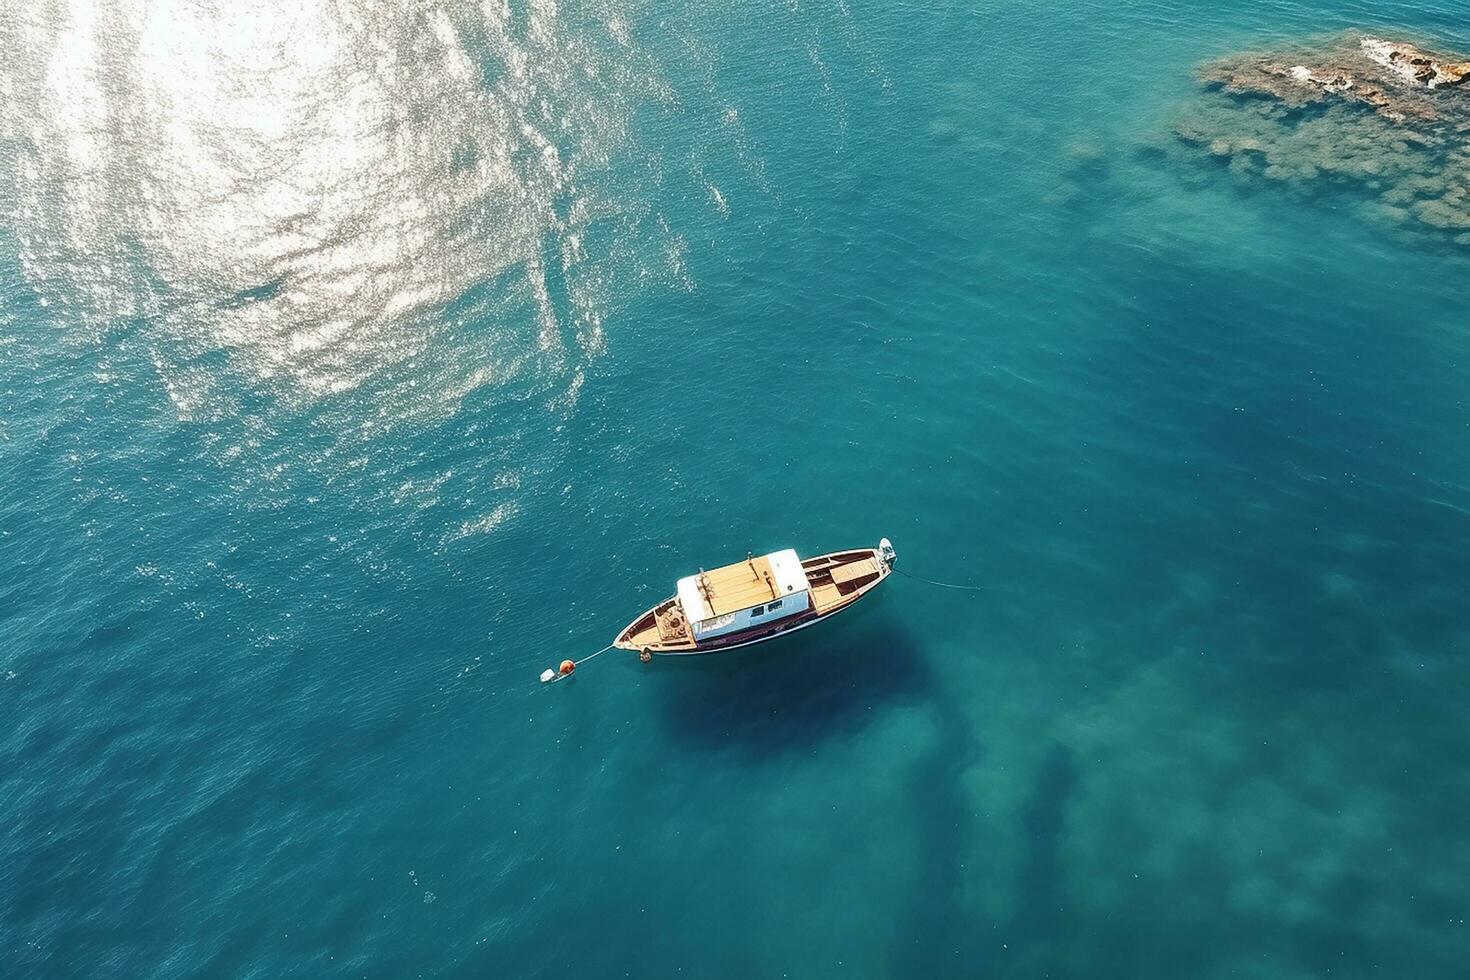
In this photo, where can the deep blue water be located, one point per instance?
(357, 365)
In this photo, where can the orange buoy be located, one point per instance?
(567, 667)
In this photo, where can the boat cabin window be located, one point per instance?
(774, 605)
(758, 610)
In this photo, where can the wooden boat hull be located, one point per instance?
(838, 580)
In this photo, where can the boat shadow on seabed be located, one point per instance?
(787, 695)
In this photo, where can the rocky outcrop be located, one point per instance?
(1399, 81)
(1387, 116)
(1414, 65)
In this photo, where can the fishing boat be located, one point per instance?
(757, 599)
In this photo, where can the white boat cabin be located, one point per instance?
(744, 595)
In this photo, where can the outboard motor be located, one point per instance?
(887, 554)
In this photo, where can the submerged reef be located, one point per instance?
(1383, 115)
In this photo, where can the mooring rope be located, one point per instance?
(945, 585)
(549, 675)
(597, 654)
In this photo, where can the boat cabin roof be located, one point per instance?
(743, 585)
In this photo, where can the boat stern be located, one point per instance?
(886, 554)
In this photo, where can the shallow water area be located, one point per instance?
(1384, 119)
(358, 364)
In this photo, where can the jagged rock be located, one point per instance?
(1395, 79)
(1414, 65)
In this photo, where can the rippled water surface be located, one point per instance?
(358, 361)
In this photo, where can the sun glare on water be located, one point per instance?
(314, 190)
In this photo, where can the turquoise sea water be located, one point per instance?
(356, 364)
